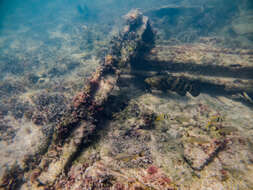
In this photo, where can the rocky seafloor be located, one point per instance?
(156, 114)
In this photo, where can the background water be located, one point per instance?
(37, 35)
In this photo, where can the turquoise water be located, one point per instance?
(26, 26)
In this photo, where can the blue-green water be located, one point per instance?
(28, 24)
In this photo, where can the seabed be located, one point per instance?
(135, 110)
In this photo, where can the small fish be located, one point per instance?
(86, 12)
(228, 130)
(216, 118)
(199, 140)
(181, 119)
(83, 9)
(247, 97)
(126, 157)
(160, 117)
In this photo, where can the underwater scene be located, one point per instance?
(126, 95)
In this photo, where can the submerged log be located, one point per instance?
(206, 66)
(80, 123)
(136, 38)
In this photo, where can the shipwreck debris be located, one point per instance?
(79, 122)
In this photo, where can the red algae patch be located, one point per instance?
(152, 170)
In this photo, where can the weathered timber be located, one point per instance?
(80, 122)
(202, 59)
(205, 66)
